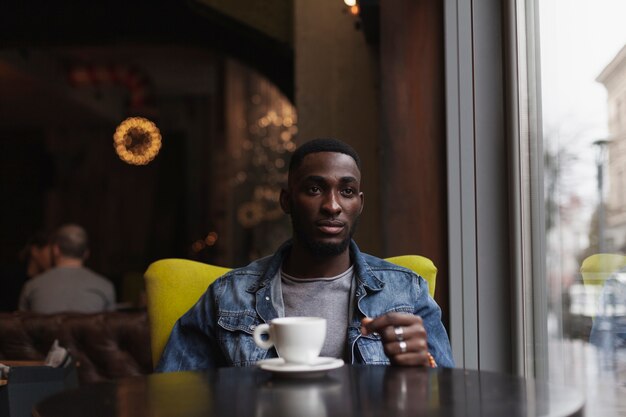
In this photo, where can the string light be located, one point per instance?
(211, 239)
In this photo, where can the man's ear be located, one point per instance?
(362, 196)
(285, 201)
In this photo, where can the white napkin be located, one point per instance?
(4, 371)
(57, 356)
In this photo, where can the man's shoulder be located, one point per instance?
(88, 276)
(375, 271)
(378, 264)
(42, 278)
(373, 263)
(249, 273)
(44, 281)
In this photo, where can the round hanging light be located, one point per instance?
(137, 141)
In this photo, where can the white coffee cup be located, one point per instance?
(298, 340)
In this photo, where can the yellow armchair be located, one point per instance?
(174, 285)
(598, 267)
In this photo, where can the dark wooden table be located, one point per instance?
(347, 391)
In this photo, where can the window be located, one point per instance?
(560, 314)
(582, 76)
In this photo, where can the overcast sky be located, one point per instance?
(578, 39)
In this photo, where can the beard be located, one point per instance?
(317, 248)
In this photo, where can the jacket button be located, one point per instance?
(267, 298)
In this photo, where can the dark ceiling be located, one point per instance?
(42, 24)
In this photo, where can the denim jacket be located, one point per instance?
(217, 330)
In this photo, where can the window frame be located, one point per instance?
(498, 301)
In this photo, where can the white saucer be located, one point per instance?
(321, 365)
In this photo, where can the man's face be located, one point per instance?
(324, 200)
(41, 257)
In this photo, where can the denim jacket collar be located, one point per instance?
(363, 271)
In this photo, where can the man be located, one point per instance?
(377, 312)
(69, 286)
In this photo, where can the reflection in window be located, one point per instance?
(583, 78)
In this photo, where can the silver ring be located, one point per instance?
(402, 345)
(399, 331)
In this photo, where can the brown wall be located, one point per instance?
(336, 74)
(413, 184)
(272, 17)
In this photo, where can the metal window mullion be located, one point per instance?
(526, 195)
(461, 183)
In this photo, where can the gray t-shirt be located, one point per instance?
(68, 289)
(322, 297)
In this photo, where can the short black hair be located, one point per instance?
(40, 239)
(322, 145)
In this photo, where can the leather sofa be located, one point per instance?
(105, 346)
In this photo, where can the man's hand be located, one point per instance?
(403, 335)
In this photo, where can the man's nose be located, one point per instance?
(331, 204)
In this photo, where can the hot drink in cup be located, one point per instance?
(298, 340)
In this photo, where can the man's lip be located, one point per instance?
(330, 227)
(330, 223)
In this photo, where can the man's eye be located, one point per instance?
(348, 192)
(314, 190)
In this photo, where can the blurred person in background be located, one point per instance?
(38, 254)
(69, 285)
(34, 259)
